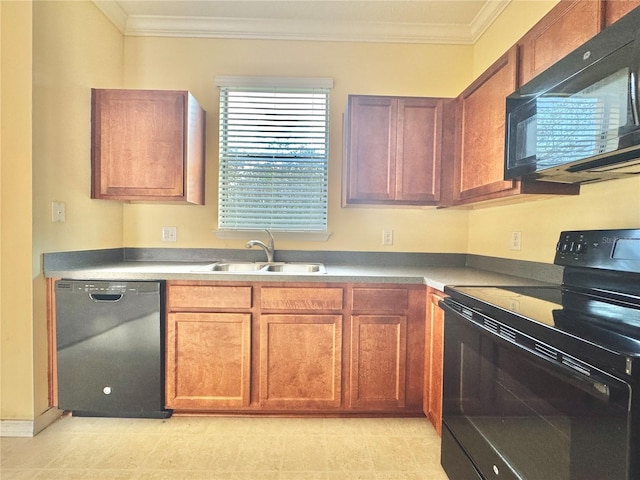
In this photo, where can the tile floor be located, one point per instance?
(229, 448)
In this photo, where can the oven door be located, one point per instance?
(515, 410)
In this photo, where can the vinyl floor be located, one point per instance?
(226, 448)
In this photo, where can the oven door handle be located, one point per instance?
(595, 383)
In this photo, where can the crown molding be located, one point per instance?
(114, 12)
(285, 29)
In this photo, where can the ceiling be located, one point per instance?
(396, 21)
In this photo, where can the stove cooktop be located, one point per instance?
(573, 321)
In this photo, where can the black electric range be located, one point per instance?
(560, 361)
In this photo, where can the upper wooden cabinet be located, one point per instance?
(147, 145)
(481, 126)
(478, 172)
(567, 26)
(392, 150)
(616, 9)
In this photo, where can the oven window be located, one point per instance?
(528, 418)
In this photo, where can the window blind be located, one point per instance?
(273, 158)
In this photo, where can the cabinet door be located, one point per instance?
(434, 343)
(479, 166)
(614, 10)
(419, 135)
(567, 26)
(371, 171)
(300, 361)
(394, 150)
(378, 361)
(208, 360)
(147, 145)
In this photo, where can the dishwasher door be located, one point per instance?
(109, 348)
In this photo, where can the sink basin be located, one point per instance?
(263, 267)
(236, 266)
(295, 267)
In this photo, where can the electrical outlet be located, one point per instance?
(58, 212)
(516, 241)
(169, 234)
(387, 237)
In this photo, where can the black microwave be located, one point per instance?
(579, 120)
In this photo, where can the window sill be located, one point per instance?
(278, 235)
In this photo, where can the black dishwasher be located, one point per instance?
(109, 343)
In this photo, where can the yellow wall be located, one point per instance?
(73, 47)
(384, 69)
(613, 204)
(16, 326)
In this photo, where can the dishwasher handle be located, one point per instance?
(106, 297)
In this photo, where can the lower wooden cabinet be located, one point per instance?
(434, 350)
(294, 348)
(300, 361)
(378, 358)
(208, 360)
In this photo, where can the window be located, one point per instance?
(274, 144)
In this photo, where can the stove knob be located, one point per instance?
(564, 248)
(581, 247)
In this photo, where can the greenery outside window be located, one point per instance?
(274, 144)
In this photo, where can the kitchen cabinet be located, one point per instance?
(147, 146)
(616, 9)
(378, 355)
(478, 172)
(434, 350)
(393, 150)
(300, 348)
(294, 347)
(567, 26)
(208, 346)
(386, 348)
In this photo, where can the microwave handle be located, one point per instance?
(634, 81)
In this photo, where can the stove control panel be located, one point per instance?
(607, 249)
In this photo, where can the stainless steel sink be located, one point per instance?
(236, 267)
(264, 267)
(295, 267)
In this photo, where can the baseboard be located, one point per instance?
(29, 428)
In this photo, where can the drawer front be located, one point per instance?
(207, 297)
(301, 298)
(380, 300)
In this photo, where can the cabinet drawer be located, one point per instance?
(301, 298)
(206, 297)
(380, 300)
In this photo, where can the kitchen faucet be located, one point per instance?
(268, 249)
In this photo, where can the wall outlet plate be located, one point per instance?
(515, 242)
(169, 234)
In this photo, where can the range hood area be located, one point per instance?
(579, 120)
